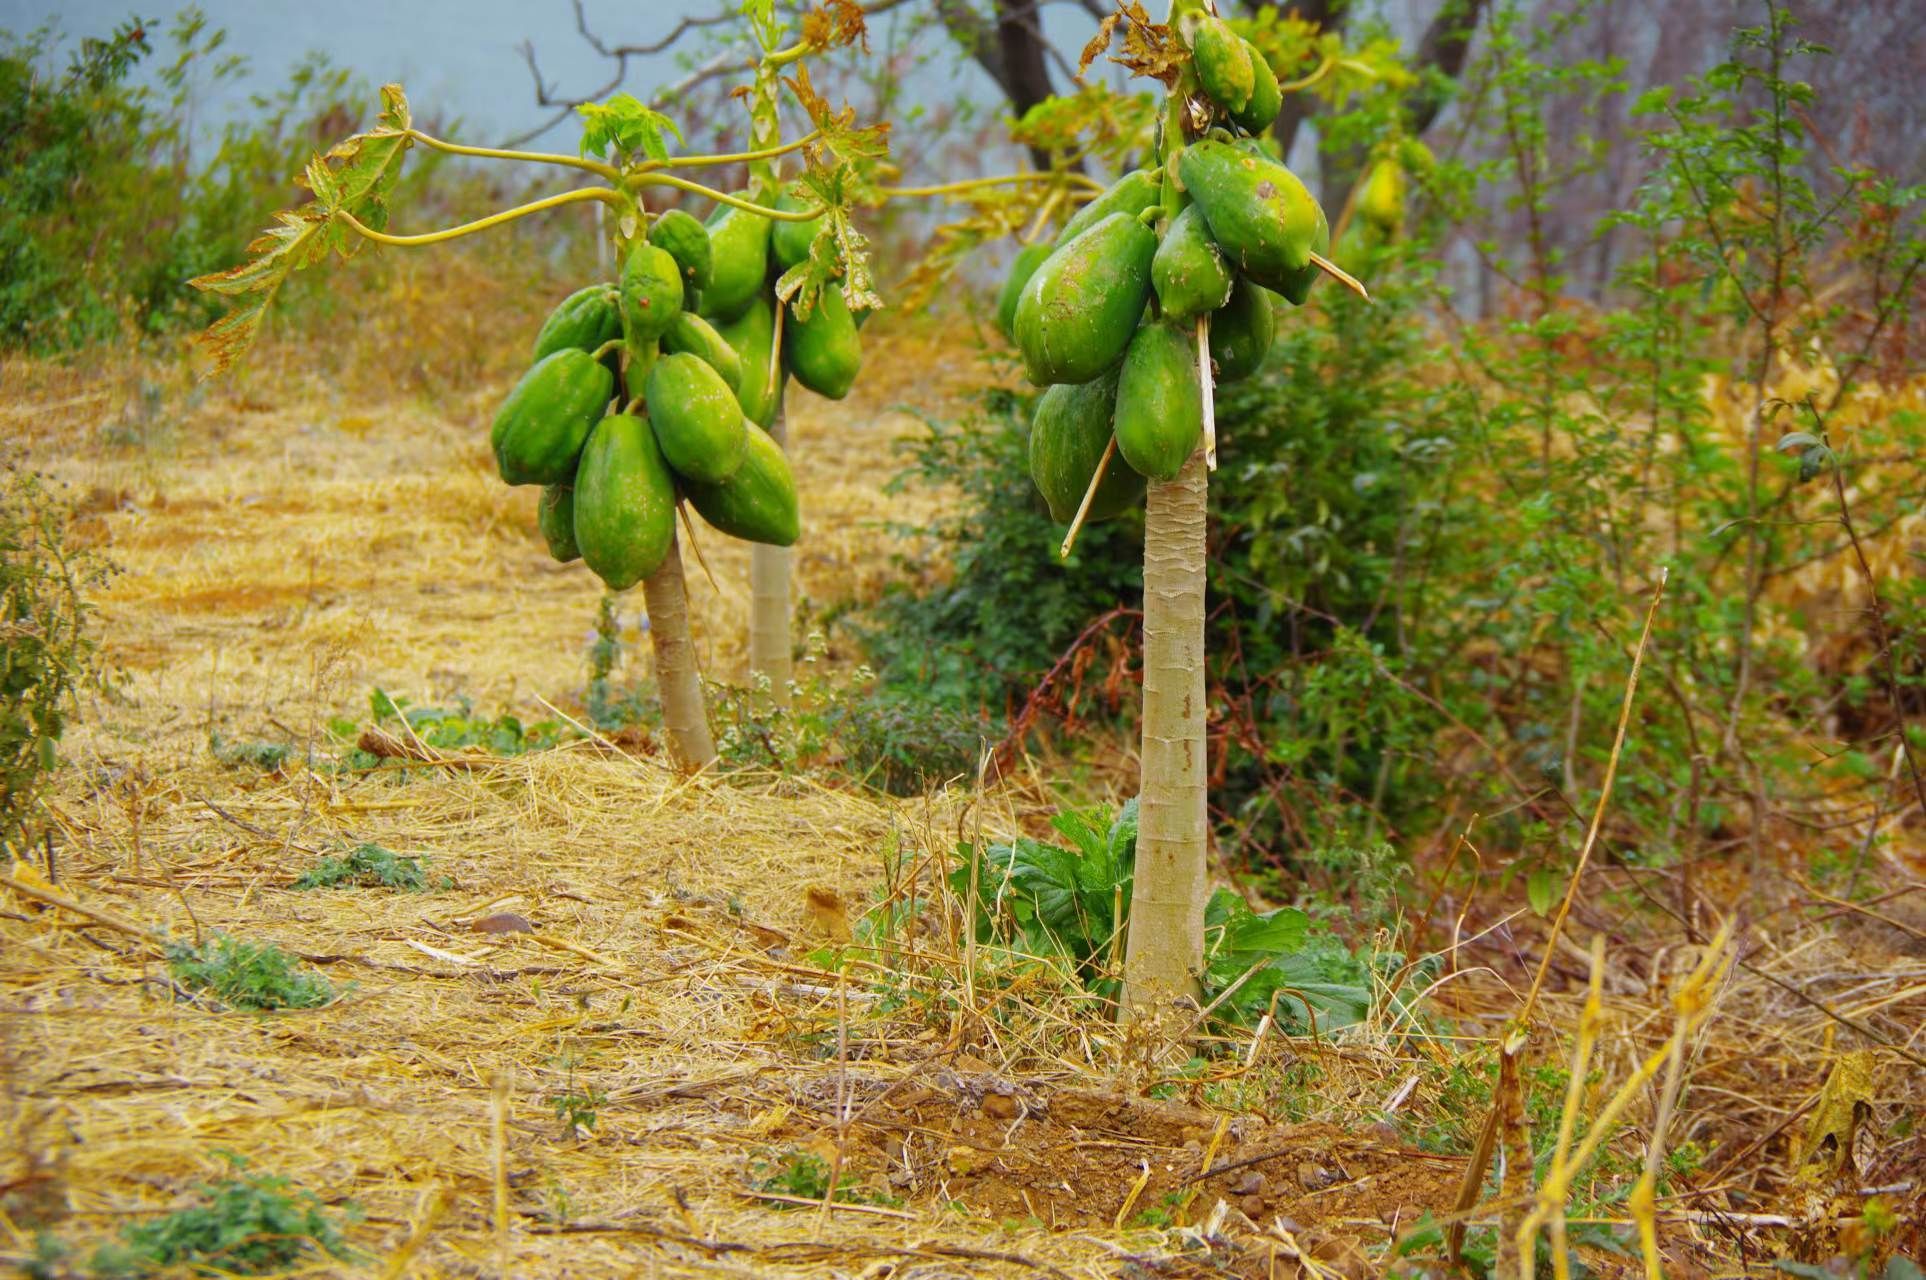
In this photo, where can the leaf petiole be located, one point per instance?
(596, 167)
(603, 194)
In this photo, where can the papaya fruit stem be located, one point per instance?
(688, 530)
(613, 344)
(1340, 275)
(1208, 386)
(603, 194)
(735, 157)
(722, 197)
(605, 171)
(775, 353)
(1089, 496)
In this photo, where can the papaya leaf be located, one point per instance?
(1148, 48)
(625, 124)
(834, 179)
(354, 179)
(1095, 122)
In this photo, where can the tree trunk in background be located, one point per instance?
(1011, 50)
(770, 652)
(1445, 46)
(1165, 944)
(678, 683)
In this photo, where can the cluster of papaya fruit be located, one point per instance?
(1107, 315)
(662, 387)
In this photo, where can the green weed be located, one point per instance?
(248, 975)
(805, 1175)
(247, 1225)
(370, 867)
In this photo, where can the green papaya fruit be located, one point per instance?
(692, 335)
(1131, 194)
(1027, 261)
(585, 319)
(1075, 316)
(1296, 286)
(823, 351)
(1381, 200)
(1241, 331)
(1188, 271)
(1160, 403)
(624, 502)
(790, 241)
(752, 335)
(1261, 216)
(539, 430)
(1267, 98)
(651, 293)
(555, 515)
(740, 241)
(696, 418)
(1068, 435)
(1223, 63)
(758, 502)
(679, 235)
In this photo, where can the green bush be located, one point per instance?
(47, 647)
(1433, 539)
(107, 212)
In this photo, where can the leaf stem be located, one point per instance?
(482, 224)
(721, 197)
(737, 157)
(595, 167)
(971, 184)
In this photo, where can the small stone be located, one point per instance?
(1251, 1184)
(1253, 1207)
(1000, 1106)
(1314, 1177)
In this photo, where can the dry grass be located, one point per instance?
(290, 540)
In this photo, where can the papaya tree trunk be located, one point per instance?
(769, 647)
(1165, 941)
(677, 681)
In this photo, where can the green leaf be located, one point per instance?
(1541, 889)
(628, 126)
(1796, 440)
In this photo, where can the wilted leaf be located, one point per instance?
(352, 180)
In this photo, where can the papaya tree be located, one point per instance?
(1151, 294)
(658, 391)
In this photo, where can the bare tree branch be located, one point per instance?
(721, 64)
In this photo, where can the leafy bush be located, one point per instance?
(107, 212)
(1003, 607)
(1433, 539)
(47, 650)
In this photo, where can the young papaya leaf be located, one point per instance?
(627, 126)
